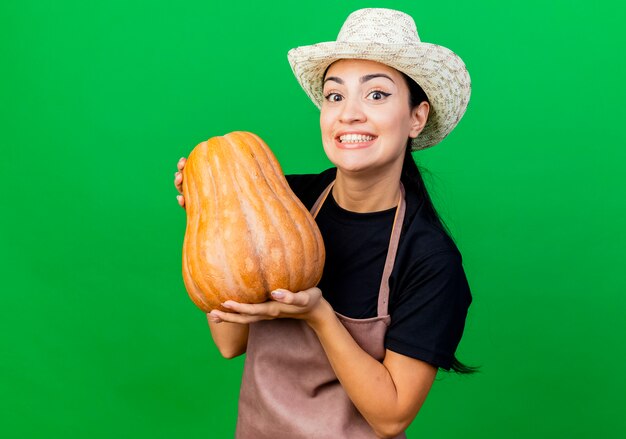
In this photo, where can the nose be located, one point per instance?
(351, 111)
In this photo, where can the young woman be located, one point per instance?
(356, 356)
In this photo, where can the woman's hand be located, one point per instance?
(305, 305)
(178, 181)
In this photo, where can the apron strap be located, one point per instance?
(383, 292)
(320, 200)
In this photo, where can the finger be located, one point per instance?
(178, 181)
(301, 298)
(213, 317)
(252, 309)
(181, 200)
(181, 163)
(232, 317)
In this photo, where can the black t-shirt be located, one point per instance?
(429, 294)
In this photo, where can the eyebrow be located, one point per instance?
(362, 80)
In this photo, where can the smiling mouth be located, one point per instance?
(355, 138)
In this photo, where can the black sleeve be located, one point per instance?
(429, 309)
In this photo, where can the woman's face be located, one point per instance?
(365, 116)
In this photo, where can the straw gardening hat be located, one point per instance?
(390, 37)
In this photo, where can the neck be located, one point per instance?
(366, 193)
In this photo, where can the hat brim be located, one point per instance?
(439, 71)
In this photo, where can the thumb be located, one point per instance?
(280, 294)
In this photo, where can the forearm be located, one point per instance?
(231, 339)
(370, 384)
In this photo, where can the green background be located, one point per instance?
(99, 99)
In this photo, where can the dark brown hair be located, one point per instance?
(411, 178)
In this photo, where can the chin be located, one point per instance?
(354, 167)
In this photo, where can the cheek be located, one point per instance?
(396, 129)
(325, 122)
(400, 121)
(327, 129)
(326, 125)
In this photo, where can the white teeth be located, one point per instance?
(355, 138)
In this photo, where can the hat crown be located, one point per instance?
(379, 25)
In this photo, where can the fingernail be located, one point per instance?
(227, 304)
(278, 294)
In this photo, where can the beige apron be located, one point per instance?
(289, 390)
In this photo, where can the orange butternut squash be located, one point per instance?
(247, 233)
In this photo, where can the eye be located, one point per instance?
(377, 95)
(333, 97)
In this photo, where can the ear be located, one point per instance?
(419, 117)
